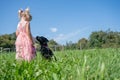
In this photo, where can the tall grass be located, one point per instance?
(95, 64)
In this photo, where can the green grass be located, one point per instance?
(94, 64)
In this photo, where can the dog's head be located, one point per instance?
(42, 40)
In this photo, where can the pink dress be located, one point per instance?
(24, 49)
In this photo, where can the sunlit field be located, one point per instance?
(94, 64)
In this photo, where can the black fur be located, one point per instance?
(45, 50)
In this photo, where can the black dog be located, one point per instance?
(45, 50)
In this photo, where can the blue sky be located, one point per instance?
(62, 20)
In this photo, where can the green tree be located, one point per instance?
(96, 39)
(53, 45)
(82, 44)
(104, 39)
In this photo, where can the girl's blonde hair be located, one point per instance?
(26, 14)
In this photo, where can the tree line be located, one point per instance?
(97, 39)
(7, 40)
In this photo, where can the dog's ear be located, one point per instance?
(46, 40)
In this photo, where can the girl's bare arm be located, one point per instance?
(17, 32)
(29, 31)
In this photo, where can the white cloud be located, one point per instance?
(53, 29)
(66, 37)
(62, 37)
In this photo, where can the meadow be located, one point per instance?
(93, 64)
